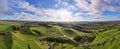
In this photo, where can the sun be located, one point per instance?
(64, 15)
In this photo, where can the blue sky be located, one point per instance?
(60, 10)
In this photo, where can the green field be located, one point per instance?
(39, 35)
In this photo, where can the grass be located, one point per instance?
(9, 23)
(21, 41)
(105, 35)
(53, 31)
(109, 39)
(3, 27)
(2, 43)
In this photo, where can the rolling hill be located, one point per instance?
(59, 35)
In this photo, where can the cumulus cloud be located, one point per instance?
(60, 15)
(43, 14)
(97, 7)
(66, 9)
(3, 7)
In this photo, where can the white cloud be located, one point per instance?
(62, 13)
(66, 11)
(93, 8)
(3, 7)
(44, 14)
(96, 7)
(28, 7)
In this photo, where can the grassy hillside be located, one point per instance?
(39, 35)
(21, 41)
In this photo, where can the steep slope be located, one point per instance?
(107, 40)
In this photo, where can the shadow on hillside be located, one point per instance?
(37, 32)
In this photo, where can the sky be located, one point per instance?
(60, 10)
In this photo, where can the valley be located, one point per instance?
(59, 35)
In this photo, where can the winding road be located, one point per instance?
(82, 44)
